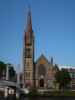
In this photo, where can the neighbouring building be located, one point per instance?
(72, 74)
(8, 78)
(8, 73)
(71, 71)
(40, 73)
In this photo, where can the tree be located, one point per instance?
(63, 78)
(12, 73)
(2, 69)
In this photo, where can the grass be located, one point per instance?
(65, 93)
(54, 93)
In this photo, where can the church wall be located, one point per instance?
(48, 79)
(47, 67)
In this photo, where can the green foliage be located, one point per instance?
(65, 93)
(33, 92)
(63, 78)
(12, 73)
(2, 68)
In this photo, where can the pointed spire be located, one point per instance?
(29, 22)
(29, 31)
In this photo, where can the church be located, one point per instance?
(39, 73)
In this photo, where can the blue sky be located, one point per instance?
(53, 23)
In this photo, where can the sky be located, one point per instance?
(53, 23)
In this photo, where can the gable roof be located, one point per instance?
(42, 59)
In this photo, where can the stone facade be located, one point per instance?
(44, 73)
(28, 54)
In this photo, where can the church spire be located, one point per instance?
(29, 31)
(29, 22)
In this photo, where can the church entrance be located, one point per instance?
(41, 82)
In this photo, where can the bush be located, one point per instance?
(33, 92)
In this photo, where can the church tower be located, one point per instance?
(28, 53)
